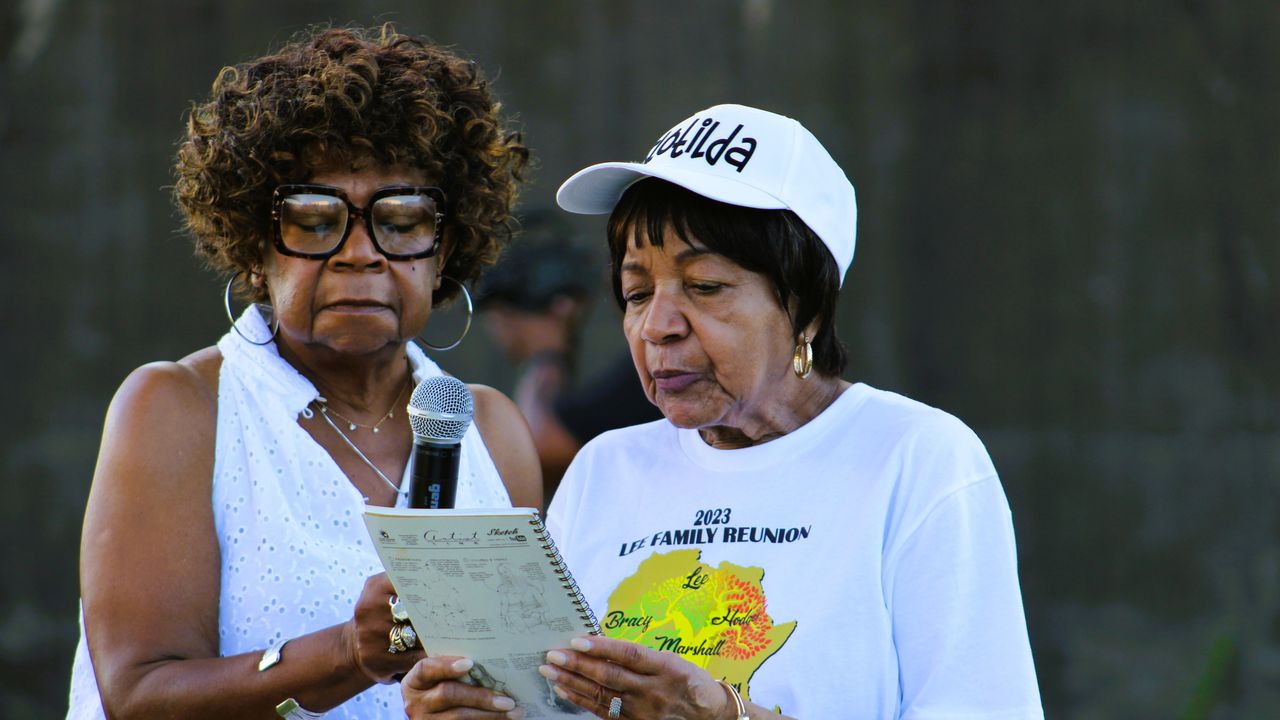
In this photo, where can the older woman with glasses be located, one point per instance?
(785, 542)
(347, 185)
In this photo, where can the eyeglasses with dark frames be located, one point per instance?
(314, 221)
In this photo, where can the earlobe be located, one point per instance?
(442, 255)
(811, 331)
(441, 259)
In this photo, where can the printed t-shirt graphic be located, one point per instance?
(716, 618)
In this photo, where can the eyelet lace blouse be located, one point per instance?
(295, 551)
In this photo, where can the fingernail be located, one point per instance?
(560, 692)
(502, 702)
(555, 657)
(547, 672)
(515, 715)
(582, 644)
(462, 665)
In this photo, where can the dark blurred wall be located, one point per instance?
(1068, 238)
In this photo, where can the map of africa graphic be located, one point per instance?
(716, 618)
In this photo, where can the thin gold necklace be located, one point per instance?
(323, 402)
(324, 413)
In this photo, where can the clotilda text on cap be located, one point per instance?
(707, 144)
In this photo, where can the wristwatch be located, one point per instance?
(291, 710)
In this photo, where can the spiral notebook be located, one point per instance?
(488, 585)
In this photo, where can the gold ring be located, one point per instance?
(396, 636)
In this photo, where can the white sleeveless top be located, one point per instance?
(295, 551)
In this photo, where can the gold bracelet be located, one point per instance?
(739, 706)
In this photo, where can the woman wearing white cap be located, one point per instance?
(784, 542)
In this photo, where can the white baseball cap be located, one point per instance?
(740, 156)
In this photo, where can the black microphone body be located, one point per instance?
(433, 479)
(440, 412)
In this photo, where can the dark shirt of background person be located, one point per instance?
(534, 301)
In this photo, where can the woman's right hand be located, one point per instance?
(367, 636)
(434, 690)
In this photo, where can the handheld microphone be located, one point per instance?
(440, 411)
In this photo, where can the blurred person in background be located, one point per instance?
(347, 185)
(784, 542)
(534, 302)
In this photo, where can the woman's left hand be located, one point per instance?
(367, 634)
(651, 683)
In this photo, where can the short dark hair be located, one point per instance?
(774, 243)
(338, 95)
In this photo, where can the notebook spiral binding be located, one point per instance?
(566, 578)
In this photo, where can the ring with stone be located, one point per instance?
(409, 636)
(398, 611)
(615, 708)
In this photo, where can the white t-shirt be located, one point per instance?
(861, 566)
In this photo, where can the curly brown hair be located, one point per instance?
(347, 95)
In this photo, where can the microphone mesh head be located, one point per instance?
(440, 410)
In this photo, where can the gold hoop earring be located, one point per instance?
(802, 359)
(466, 296)
(226, 304)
